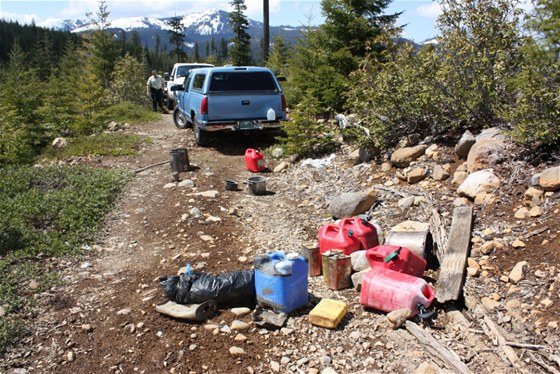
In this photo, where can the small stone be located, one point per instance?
(233, 211)
(211, 327)
(71, 356)
(207, 238)
(124, 312)
(488, 247)
(240, 338)
(552, 325)
(87, 328)
(518, 244)
(461, 201)
(240, 311)
(236, 351)
(355, 335)
(192, 347)
(168, 186)
(213, 219)
(238, 325)
(33, 284)
(211, 194)
(547, 302)
(512, 304)
(386, 166)
(242, 258)
(2, 311)
(277, 152)
(517, 273)
(187, 183)
(405, 202)
(425, 368)
(60, 143)
(195, 212)
(540, 273)
(522, 213)
(275, 366)
(286, 331)
(398, 317)
(536, 211)
(489, 303)
(504, 278)
(472, 272)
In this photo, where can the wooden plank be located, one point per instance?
(451, 278)
(449, 357)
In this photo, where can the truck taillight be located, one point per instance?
(204, 105)
(284, 105)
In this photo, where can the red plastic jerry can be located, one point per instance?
(399, 259)
(364, 231)
(254, 160)
(388, 290)
(335, 237)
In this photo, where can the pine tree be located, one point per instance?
(102, 46)
(129, 81)
(196, 53)
(278, 59)
(241, 51)
(177, 37)
(43, 56)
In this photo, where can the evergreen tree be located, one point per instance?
(129, 83)
(102, 46)
(546, 21)
(43, 55)
(278, 59)
(20, 95)
(177, 37)
(196, 53)
(241, 50)
(223, 51)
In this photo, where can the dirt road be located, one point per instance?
(102, 319)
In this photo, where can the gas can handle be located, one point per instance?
(424, 313)
(393, 255)
(350, 233)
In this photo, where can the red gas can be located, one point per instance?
(336, 237)
(388, 290)
(364, 231)
(396, 258)
(254, 160)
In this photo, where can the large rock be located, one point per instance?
(60, 143)
(491, 133)
(480, 181)
(550, 179)
(352, 203)
(402, 157)
(484, 154)
(415, 175)
(464, 145)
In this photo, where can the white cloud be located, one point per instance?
(429, 10)
(255, 8)
(21, 18)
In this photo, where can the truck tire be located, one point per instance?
(201, 137)
(170, 105)
(180, 119)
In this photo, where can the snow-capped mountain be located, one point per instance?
(198, 28)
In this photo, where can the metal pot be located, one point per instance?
(230, 185)
(256, 185)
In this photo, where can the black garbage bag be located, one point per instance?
(233, 289)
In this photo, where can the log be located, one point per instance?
(450, 358)
(451, 278)
(150, 166)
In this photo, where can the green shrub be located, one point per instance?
(51, 210)
(127, 111)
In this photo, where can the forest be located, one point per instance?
(493, 65)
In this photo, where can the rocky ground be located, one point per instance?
(102, 317)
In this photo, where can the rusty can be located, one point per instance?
(337, 269)
(313, 256)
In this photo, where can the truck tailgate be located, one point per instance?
(241, 107)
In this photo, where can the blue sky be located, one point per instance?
(419, 15)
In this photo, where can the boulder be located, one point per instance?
(491, 133)
(416, 175)
(477, 182)
(402, 157)
(464, 145)
(550, 179)
(352, 203)
(484, 154)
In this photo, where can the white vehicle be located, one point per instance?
(177, 78)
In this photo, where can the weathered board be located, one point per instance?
(451, 278)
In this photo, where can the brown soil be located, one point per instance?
(145, 238)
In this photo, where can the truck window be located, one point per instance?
(242, 81)
(198, 81)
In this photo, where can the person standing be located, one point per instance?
(154, 89)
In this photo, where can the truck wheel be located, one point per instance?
(170, 105)
(180, 119)
(201, 137)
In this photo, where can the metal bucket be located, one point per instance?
(420, 243)
(313, 257)
(337, 269)
(256, 185)
(179, 160)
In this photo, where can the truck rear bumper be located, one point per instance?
(241, 126)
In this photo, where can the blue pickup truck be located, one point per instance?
(229, 98)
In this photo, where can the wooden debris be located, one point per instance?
(473, 303)
(450, 282)
(150, 166)
(535, 232)
(450, 358)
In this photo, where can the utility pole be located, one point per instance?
(266, 31)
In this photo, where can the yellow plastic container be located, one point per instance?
(328, 313)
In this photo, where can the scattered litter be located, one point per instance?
(195, 312)
(328, 313)
(318, 163)
(269, 319)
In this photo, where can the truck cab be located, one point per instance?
(177, 78)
